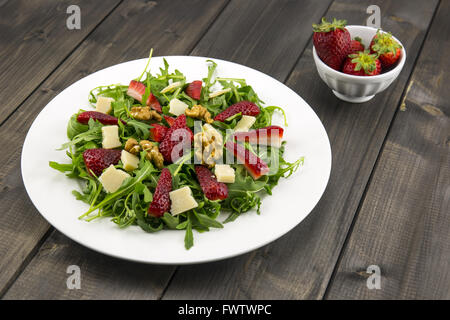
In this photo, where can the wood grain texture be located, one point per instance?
(404, 223)
(30, 281)
(126, 34)
(34, 40)
(300, 264)
(266, 35)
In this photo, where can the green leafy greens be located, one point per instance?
(129, 204)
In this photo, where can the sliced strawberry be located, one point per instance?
(179, 136)
(212, 189)
(271, 135)
(136, 90)
(153, 103)
(99, 116)
(247, 108)
(254, 165)
(158, 132)
(161, 199)
(97, 160)
(169, 120)
(194, 89)
(180, 122)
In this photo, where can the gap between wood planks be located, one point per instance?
(60, 63)
(284, 81)
(202, 34)
(51, 229)
(380, 152)
(35, 250)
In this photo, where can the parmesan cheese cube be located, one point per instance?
(244, 124)
(172, 86)
(104, 105)
(111, 137)
(112, 179)
(218, 93)
(177, 107)
(130, 161)
(182, 201)
(224, 173)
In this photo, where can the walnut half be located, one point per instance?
(153, 153)
(199, 112)
(132, 146)
(145, 113)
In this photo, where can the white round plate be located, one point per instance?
(292, 200)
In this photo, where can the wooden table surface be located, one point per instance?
(388, 199)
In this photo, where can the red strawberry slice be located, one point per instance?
(136, 90)
(153, 103)
(194, 89)
(100, 117)
(169, 120)
(271, 135)
(179, 122)
(178, 136)
(246, 107)
(97, 160)
(158, 132)
(212, 189)
(254, 165)
(161, 199)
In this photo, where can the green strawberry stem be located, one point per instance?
(364, 60)
(326, 26)
(385, 43)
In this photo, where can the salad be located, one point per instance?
(166, 153)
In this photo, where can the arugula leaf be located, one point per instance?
(93, 133)
(208, 81)
(74, 127)
(170, 221)
(206, 221)
(189, 237)
(127, 186)
(141, 129)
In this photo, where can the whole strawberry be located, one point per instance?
(96, 160)
(212, 189)
(387, 48)
(362, 64)
(356, 45)
(332, 42)
(161, 198)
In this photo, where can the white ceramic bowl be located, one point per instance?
(357, 89)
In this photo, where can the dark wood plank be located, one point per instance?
(404, 223)
(258, 12)
(34, 40)
(126, 34)
(266, 35)
(300, 264)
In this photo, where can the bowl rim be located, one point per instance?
(398, 67)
